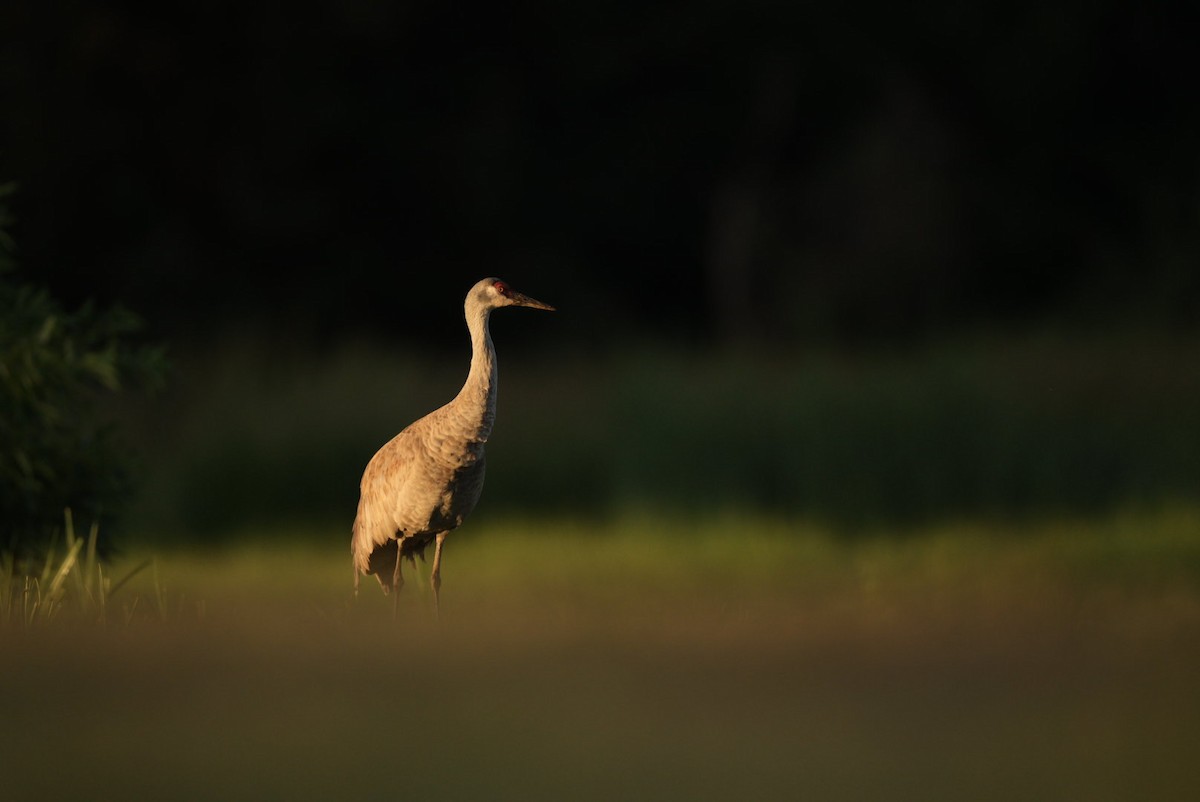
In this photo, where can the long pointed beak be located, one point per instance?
(520, 299)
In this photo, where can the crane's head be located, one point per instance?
(492, 293)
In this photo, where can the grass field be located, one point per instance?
(733, 658)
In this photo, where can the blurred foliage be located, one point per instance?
(57, 450)
(1005, 429)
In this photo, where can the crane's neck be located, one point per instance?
(476, 401)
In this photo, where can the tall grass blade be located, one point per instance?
(137, 569)
(64, 570)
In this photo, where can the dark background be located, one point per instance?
(857, 263)
(700, 172)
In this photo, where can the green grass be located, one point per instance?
(730, 657)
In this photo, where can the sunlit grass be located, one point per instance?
(580, 573)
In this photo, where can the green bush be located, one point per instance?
(57, 450)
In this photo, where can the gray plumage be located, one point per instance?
(426, 480)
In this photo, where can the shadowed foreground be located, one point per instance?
(598, 667)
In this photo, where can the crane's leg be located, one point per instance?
(397, 579)
(435, 576)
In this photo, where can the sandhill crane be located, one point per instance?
(426, 480)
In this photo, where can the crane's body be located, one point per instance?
(426, 480)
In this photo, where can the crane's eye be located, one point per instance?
(501, 287)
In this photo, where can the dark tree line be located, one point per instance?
(713, 171)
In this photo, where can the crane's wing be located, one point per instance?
(382, 492)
